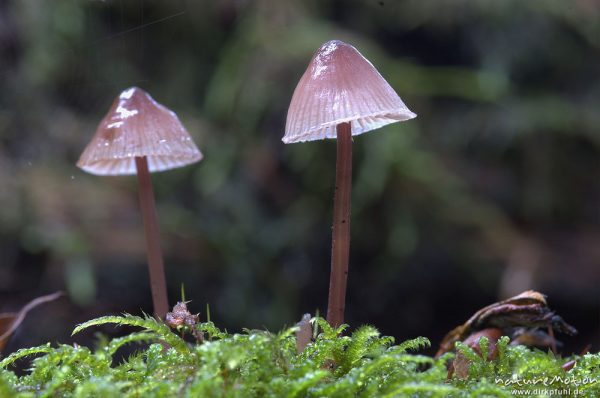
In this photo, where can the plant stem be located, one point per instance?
(156, 267)
(340, 245)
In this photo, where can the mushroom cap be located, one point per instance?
(340, 85)
(136, 126)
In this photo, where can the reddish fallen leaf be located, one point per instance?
(521, 318)
(10, 321)
(569, 365)
(527, 311)
(460, 365)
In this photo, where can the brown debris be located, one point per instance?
(528, 310)
(304, 333)
(520, 318)
(460, 365)
(182, 319)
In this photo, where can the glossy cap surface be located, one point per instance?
(135, 126)
(340, 85)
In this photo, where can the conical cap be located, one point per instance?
(340, 85)
(135, 126)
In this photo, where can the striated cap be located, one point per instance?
(340, 85)
(137, 126)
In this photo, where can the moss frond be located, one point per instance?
(24, 352)
(137, 337)
(148, 323)
(415, 344)
(258, 363)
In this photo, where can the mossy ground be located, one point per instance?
(263, 364)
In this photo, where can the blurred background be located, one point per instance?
(493, 189)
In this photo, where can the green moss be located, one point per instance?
(263, 364)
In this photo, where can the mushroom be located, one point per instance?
(140, 136)
(340, 95)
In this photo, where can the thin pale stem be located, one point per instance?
(158, 283)
(340, 245)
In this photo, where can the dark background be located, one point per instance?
(493, 189)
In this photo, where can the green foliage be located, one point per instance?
(160, 330)
(263, 364)
(518, 368)
(24, 353)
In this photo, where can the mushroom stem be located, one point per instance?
(340, 246)
(156, 267)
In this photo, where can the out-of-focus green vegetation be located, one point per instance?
(493, 189)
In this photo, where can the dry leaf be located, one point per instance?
(518, 317)
(527, 311)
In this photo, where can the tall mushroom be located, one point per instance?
(139, 136)
(340, 95)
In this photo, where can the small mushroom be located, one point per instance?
(340, 95)
(140, 136)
